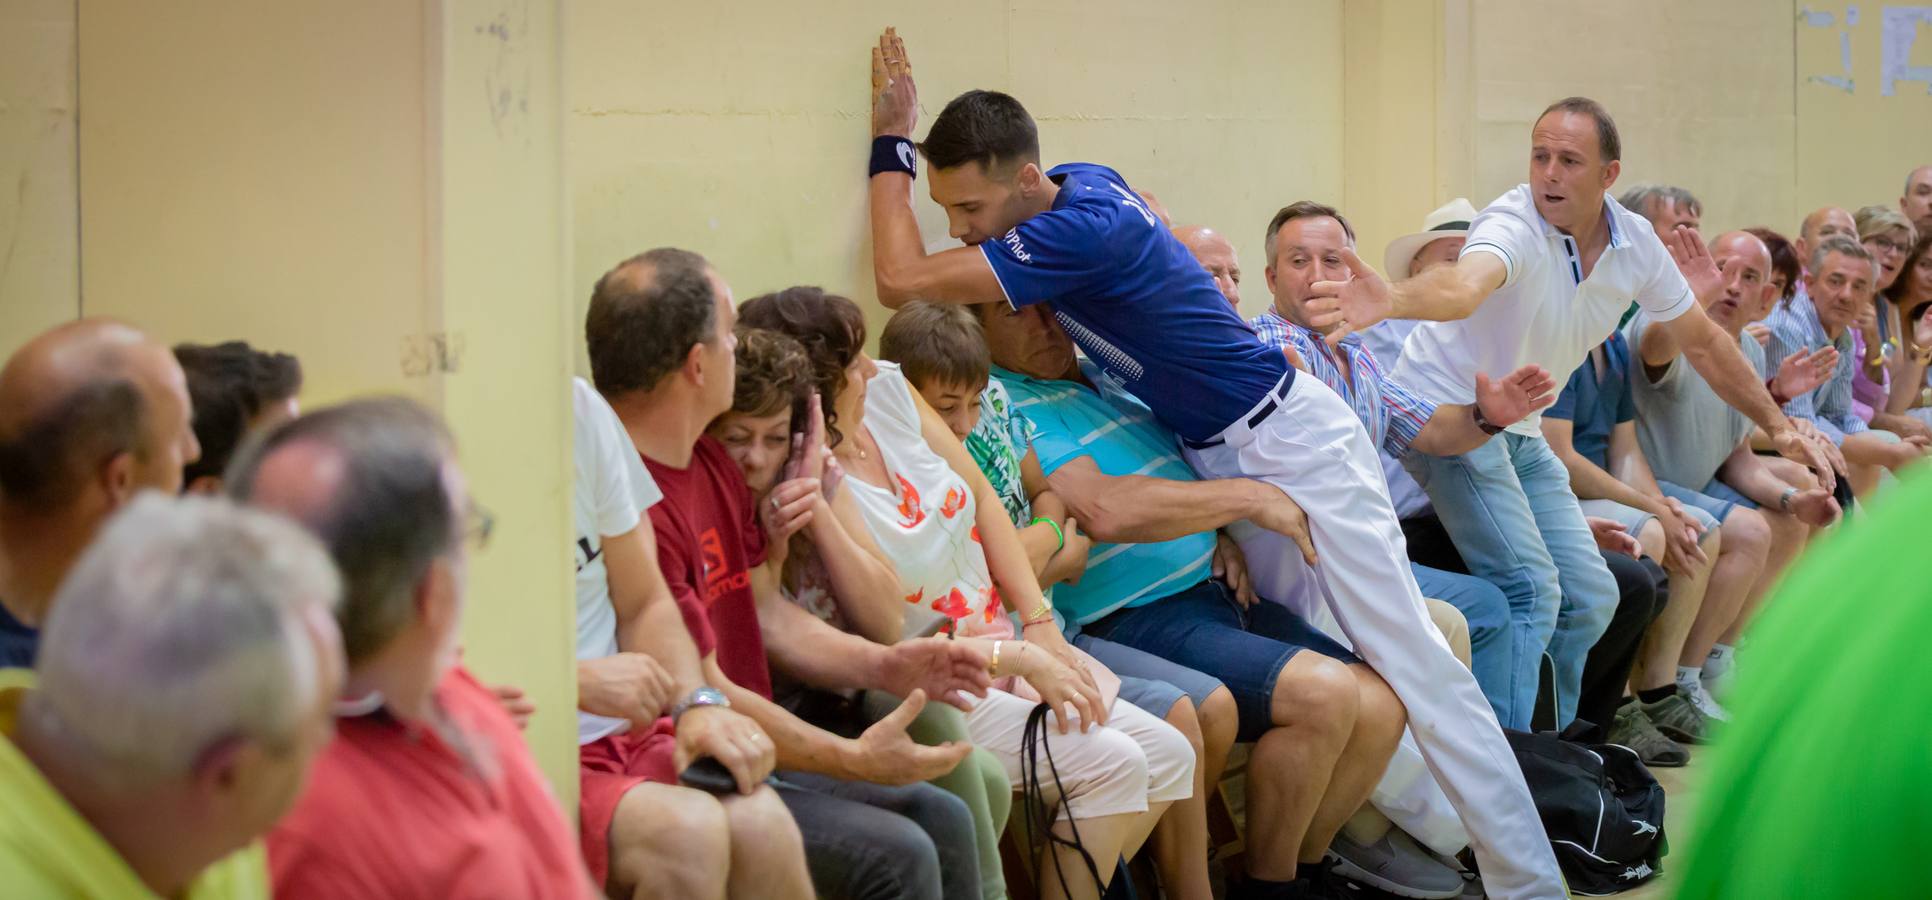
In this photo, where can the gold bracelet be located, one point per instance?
(1041, 613)
(993, 668)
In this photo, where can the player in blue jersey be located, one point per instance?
(1137, 304)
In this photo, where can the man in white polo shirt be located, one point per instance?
(1546, 273)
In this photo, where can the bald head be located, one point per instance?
(90, 412)
(1823, 223)
(1745, 262)
(1216, 254)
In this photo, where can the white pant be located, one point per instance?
(1121, 767)
(1314, 449)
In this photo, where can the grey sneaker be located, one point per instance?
(1679, 719)
(1396, 864)
(1634, 729)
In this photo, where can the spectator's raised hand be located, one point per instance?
(895, 100)
(1351, 305)
(1611, 538)
(789, 508)
(1922, 331)
(731, 738)
(628, 686)
(1506, 401)
(936, 666)
(885, 754)
(1694, 262)
(1801, 372)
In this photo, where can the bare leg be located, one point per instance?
(672, 842)
(1378, 728)
(1663, 644)
(1788, 538)
(767, 854)
(1315, 703)
(1103, 837)
(1740, 563)
(1181, 838)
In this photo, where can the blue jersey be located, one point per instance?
(1137, 303)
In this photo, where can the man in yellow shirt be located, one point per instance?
(184, 685)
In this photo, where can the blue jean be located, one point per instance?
(867, 841)
(1492, 655)
(1508, 507)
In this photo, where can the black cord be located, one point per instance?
(1039, 817)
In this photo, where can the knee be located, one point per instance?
(1316, 693)
(759, 823)
(1381, 715)
(680, 835)
(1746, 532)
(1786, 531)
(941, 814)
(1187, 721)
(1220, 720)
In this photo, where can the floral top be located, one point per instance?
(997, 444)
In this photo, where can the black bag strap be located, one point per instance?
(1039, 815)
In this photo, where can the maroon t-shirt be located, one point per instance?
(708, 540)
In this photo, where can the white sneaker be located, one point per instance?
(1705, 703)
(1719, 686)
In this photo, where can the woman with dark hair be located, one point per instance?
(1911, 299)
(961, 568)
(1785, 272)
(834, 569)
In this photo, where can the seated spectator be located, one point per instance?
(661, 352)
(235, 390)
(942, 352)
(643, 833)
(91, 413)
(1323, 724)
(1837, 286)
(1911, 296)
(1916, 202)
(832, 568)
(1216, 254)
(961, 569)
(1307, 239)
(1698, 449)
(1667, 208)
(1593, 430)
(428, 788)
(183, 691)
(1889, 237)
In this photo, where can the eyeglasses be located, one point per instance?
(1887, 245)
(477, 526)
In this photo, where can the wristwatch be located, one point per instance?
(1784, 499)
(704, 696)
(1482, 422)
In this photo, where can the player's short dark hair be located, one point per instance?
(937, 343)
(1609, 145)
(986, 127)
(641, 327)
(1303, 209)
(830, 328)
(229, 384)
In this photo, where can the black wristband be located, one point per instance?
(892, 153)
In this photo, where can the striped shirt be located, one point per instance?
(1392, 414)
(1071, 421)
(1794, 327)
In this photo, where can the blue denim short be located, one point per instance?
(1204, 629)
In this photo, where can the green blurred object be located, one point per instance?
(1822, 783)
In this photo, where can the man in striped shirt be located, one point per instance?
(1838, 279)
(1304, 244)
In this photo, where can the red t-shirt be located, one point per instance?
(392, 810)
(708, 541)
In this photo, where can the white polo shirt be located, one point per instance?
(1546, 313)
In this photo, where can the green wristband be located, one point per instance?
(1062, 535)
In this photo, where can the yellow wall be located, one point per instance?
(741, 130)
(39, 228)
(1855, 149)
(375, 187)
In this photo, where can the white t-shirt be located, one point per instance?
(925, 525)
(1546, 313)
(610, 492)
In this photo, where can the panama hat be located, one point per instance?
(1449, 220)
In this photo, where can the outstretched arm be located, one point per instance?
(1716, 357)
(900, 265)
(1442, 294)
